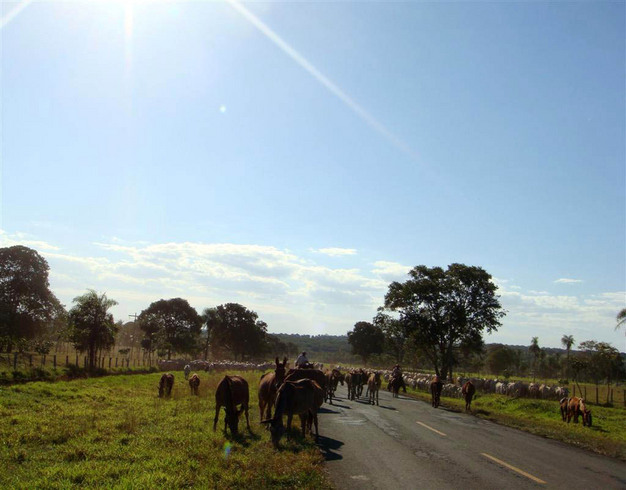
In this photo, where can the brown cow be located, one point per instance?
(468, 391)
(268, 386)
(165, 385)
(230, 392)
(435, 391)
(301, 397)
(373, 385)
(563, 403)
(194, 383)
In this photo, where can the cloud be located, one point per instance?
(7, 240)
(568, 281)
(391, 271)
(336, 252)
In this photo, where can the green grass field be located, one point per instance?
(542, 417)
(114, 432)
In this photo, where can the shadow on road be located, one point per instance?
(339, 406)
(328, 446)
(388, 408)
(326, 410)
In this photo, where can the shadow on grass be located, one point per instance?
(328, 447)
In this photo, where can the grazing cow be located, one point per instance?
(435, 391)
(187, 370)
(468, 391)
(165, 385)
(373, 385)
(333, 378)
(575, 407)
(300, 397)
(314, 374)
(194, 383)
(268, 386)
(230, 392)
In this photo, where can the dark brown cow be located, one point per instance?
(435, 391)
(373, 386)
(302, 397)
(230, 392)
(268, 386)
(468, 391)
(194, 383)
(165, 385)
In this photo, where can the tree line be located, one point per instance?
(31, 318)
(437, 319)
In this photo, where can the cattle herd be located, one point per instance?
(302, 391)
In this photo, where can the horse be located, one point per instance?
(395, 384)
(230, 392)
(165, 385)
(315, 374)
(194, 383)
(468, 391)
(575, 407)
(268, 385)
(301, 397)
(435, 391)
(373, 386)
(333, 378)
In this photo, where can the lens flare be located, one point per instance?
(227, 448)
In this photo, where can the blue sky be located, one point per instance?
(297, 157)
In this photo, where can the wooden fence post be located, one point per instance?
(43, 360)
(116, 362)
(67, 361)
(76, 360)
(54, 361)
(30, 360)
(85, 362)
(596, 394)
(585, 397)
(15, 361)
(110, 360)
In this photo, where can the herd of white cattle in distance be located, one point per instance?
(420, 381)
(416, 380)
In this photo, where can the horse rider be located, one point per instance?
(396, 372)
(302, 361)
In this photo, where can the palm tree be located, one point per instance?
(621, 318)
(535, 350)
(210, 319)
(567, 341)
(92, 326)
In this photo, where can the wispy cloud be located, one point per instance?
(336, 252)
(568, 281)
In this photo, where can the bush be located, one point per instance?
(73, 371)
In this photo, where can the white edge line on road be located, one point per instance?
(430, 428)
(513, 468)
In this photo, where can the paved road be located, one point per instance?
(404, 443)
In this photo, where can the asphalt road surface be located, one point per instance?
(405, 443)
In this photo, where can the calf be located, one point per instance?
(194, 383)
(165, 385)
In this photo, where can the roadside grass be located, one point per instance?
(607, 435)
(114, 432)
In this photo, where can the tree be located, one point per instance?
(171, 325)
(603, 361)
(567, 341)
(239, 331)
(210, 320)
(445, 309)
(500, 360)
(621, 319)
(366, 339)
(397, 334)
(535, 351)
(27, 306)
(92, 327)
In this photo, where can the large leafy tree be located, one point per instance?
(27, 306)
(445, 309)
(210, 319)
(535, 351)
(92, 327)
(171, 325)
(603, 361)
(239, 331)
(366, 339)
(396, 332)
